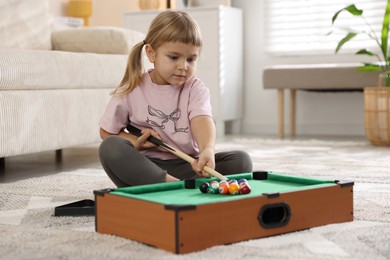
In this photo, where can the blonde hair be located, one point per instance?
(168, 26)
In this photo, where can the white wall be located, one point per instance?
(317, 113)
(104, 12)
(58, 7)
(108, 12)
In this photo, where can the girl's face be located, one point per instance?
(174, 62)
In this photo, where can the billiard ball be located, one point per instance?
(223, 182)
(213, 188)
(234, 189)
(223, 188)
(214, 183)
(245, 189)
(241, 183)
(204, 186)
(242, 180)
(233, 181)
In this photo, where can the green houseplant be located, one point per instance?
(382, 42)
(376, 99)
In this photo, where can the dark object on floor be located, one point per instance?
(79, 208)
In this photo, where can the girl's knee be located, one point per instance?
(245, 160)
(112, 147)
(111, 141)
(234, 162)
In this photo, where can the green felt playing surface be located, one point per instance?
(175, 193)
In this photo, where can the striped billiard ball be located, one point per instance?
(242, 180)
(223, 188)
(245, 188)
(234, 189)
(213, 188)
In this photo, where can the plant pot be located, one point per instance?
(377, 115)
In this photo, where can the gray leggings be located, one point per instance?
(126, 166)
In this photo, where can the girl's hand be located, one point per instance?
(206, 157)
(141, 142)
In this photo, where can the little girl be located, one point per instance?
(167, 102)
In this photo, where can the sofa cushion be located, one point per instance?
(39, 69)
(318, 77)
(96, 39)
(25, 24)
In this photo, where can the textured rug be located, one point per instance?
(30, 231)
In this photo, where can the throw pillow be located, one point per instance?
(101, 39)
(25, 24)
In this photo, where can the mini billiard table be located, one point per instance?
(179, 218)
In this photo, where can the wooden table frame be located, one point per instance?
(181, 229)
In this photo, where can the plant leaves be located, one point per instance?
(351, 9)
(384, 62)
(369, 67)
(385, 31)
(365, 52)
(347, 38)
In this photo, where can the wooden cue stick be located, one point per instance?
(134, 130)
(189, 159)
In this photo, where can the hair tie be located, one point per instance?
(144, 42)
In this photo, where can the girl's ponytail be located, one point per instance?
(134, 70)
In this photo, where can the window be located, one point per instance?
(301, 26)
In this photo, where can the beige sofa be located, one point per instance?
(54, 85)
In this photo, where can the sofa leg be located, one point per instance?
(2, 165)
(59, 156)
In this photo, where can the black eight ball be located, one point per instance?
(204, 186)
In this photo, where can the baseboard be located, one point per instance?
(306, 129)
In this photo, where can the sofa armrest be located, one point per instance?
(109, 40)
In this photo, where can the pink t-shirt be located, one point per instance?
(165, 108)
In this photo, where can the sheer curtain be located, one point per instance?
(302, 26)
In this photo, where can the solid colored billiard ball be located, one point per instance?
(233, 181)
(242, 180)
(234, 189)
(204, 186)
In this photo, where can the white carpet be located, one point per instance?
(30, 231)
